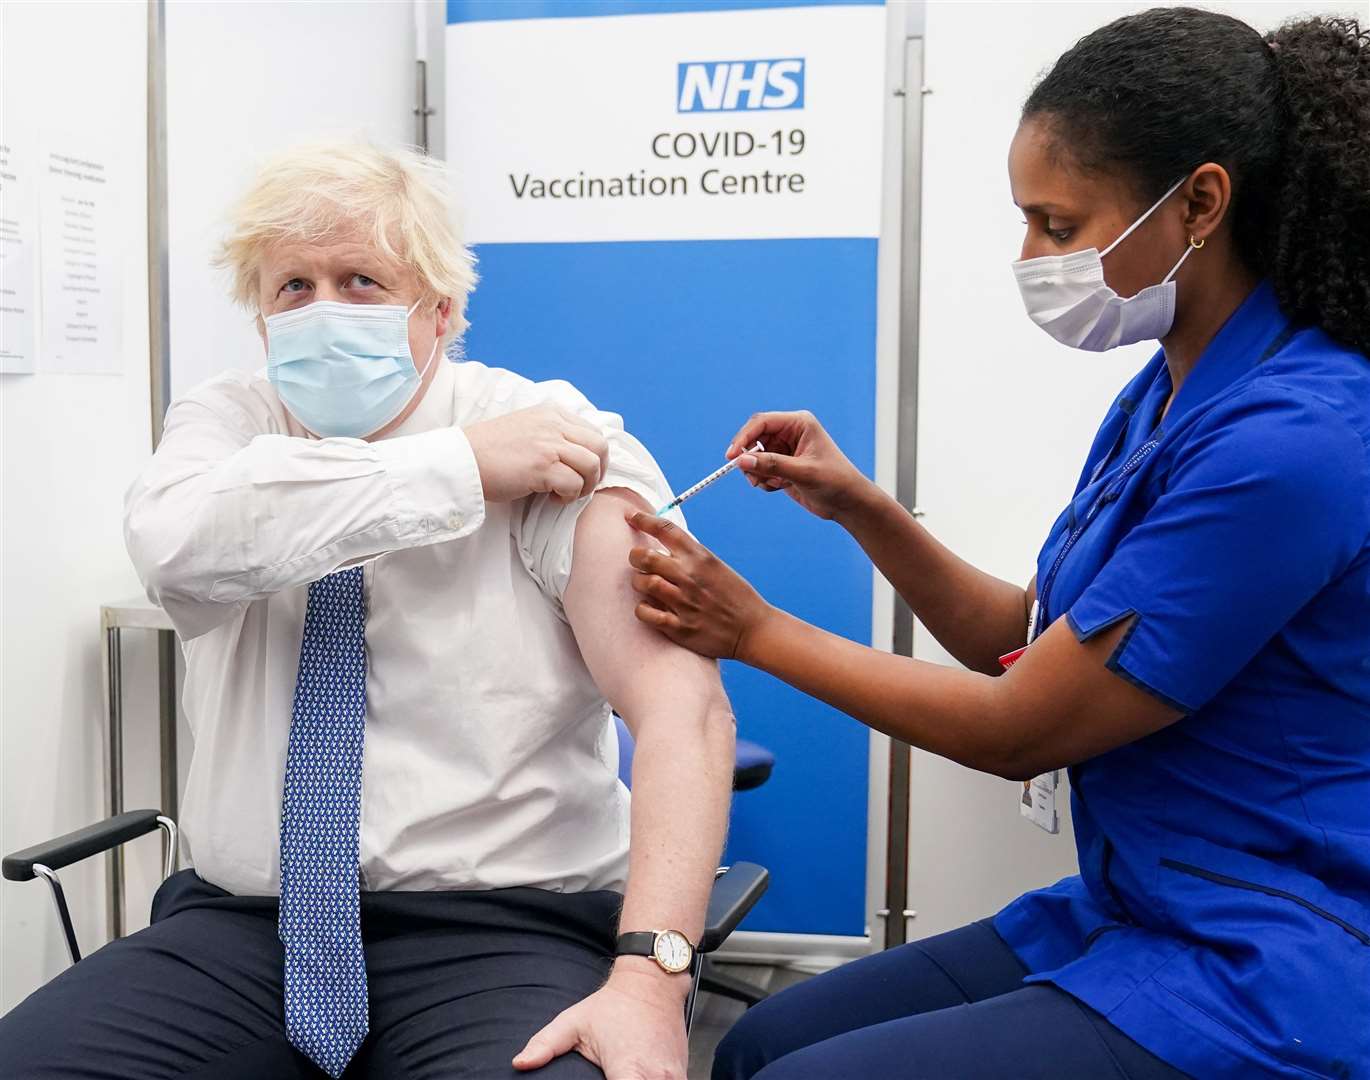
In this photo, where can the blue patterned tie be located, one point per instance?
(320, 921)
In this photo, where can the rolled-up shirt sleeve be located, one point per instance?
(227, 511)
(544, 528)
(1266, 503)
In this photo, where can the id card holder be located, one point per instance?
(1037, 802)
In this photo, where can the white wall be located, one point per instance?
(1006, 415)
(245, 81)
(71, 443)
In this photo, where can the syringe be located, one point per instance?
(716, 474)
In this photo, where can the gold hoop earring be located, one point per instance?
(1196, 244)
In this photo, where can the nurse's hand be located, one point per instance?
(801, 459)
(691, 595)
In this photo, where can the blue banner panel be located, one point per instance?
(486, 10)
(686, 339)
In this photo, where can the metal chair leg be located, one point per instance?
(169, 850)
(716, 982)
(60, 900)
(693, 996)
(114, 705)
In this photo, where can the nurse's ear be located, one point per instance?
(1208, 197)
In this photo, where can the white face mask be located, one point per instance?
(1066, 296)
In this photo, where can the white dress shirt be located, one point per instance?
(489, 757)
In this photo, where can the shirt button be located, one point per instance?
(454, 520)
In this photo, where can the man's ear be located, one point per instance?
(261, 329)
(444, 315)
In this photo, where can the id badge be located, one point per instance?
(1038, 800)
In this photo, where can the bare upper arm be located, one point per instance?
(632, 664)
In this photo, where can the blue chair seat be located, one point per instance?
(751, 768)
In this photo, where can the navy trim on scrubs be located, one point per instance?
(1221, 917)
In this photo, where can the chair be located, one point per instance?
(752, 768)
(736, 890)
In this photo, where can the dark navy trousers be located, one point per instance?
(458, 982)
(952, 1007)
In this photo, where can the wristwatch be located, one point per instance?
(670, 949)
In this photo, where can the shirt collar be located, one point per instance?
(1238, 347)
(435, 409)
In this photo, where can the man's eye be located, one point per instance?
(294, 285)
(363, 282)
(1060, 235)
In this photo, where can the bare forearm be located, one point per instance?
(975, 616)
(634, 1025)
(682, 777)
(1060, 704)
(940, 709)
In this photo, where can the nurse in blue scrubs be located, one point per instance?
(1198, 632)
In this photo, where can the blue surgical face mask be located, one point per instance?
(343, 369)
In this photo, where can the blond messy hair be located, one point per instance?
(402, 198)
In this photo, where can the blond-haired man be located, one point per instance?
(409, 844)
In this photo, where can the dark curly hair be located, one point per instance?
(1154, 95)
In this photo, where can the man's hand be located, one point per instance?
(633, 1028)
(535, 451)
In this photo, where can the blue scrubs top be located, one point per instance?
(1221, 917)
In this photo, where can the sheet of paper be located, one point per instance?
(18, 250)
(80, 290)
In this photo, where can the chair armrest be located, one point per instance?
(80, 844)
(736, 892)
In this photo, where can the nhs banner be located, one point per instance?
(727, 86)
(648, 120)
(676, 206)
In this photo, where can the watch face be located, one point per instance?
(672, 951)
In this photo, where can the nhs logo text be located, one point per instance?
(735, 85)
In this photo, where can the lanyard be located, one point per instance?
(1038, 621)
